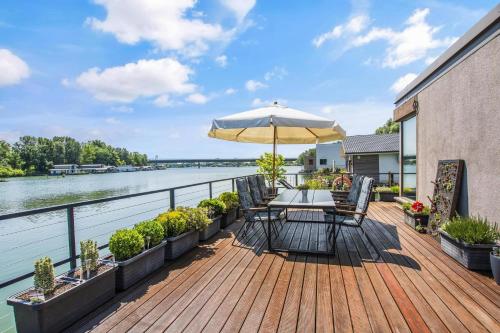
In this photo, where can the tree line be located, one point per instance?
(31, 155)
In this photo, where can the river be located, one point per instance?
(23, 240)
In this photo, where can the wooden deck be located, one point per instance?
(404, 283)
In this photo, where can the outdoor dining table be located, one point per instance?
(302, 199)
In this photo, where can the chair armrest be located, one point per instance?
(256, 209)
(348, 212)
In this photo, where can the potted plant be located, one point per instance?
(54, 303)
(387, 194)
(138, 252)
(495, 263)
(199, 219)
(181, 236)
(232, 203)
(469, 240)
(416, 215)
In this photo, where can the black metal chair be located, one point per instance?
(264, 190)
(286, 184)
(251, 213)
(352, 218)
(351, 200)
(258, 199)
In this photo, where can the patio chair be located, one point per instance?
(251, 213)
(351, 200)
(258, 199)
(352, 218)
(264, 190)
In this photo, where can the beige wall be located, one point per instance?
(459, 118)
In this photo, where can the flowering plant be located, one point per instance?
(417, 207)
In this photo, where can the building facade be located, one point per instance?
(451, 111)
(329, 155)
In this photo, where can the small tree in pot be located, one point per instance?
(232, 203)
(138, 252)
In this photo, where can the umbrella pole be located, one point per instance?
(274, 159)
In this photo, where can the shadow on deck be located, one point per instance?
(402, 282)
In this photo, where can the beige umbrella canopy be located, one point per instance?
(276, 124)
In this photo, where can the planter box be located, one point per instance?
(388, 196)
(177, 246)
(472, 256)
(495, 267)
(211, 230)
(229, 217)
(413, 219)
(134, 269)
(63, 310)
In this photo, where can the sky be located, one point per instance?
(150, 75)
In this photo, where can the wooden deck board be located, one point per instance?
(402, 282)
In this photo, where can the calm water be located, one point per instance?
(23, 240)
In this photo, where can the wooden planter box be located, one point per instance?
(387, 196)
(413, 219)
(211, 229)
(229, 217)
(134, 269)
(472, 256)
(495, 267)
(61, 311)
(178, 245)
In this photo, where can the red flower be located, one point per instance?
(417, 207)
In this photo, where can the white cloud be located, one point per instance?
(221, 60)
(66, 82)
(230, 91)
(402, 82)
(259, 102)
(253, 85)
(112, 121)
(145, 78)
(163, 101)
(406, 46)
(164, 23)
(12, 68)
(239, 7)
(276, 73)
(122, 109)
(355, 25)
(197, 98)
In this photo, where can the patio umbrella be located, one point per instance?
(276, 124)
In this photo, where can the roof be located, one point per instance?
(372, 143)
(476, 37)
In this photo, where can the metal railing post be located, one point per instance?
(70, 213)
(232, 184)
(210, 190)
(296, 179)
(172, 199)
(389, 175)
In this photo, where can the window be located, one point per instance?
(311, 162)
(409, 152)
(322, 161)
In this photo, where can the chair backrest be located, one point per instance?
(357, 182)
(262, 185)
(253, 185)
(364, 199)
(245, 198)
(286, 184)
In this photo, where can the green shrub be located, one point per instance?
(383, 189)
(44, 279)
(7, 171)
(151, 231)
(174, 223)
(126, 243)
(215, 207)
(471, 230)
(304, 186)
(230, 199)
(89, 254)
(197, 217)
(406, 206)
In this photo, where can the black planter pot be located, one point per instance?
(134, 269)
(495, 267)
(177, 246)
(413, 219)
(211, 229)
(472, 256)
(387, 196)
(63, 310)
(229, 217)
